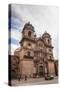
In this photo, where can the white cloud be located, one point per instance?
(12, 48)
(16, 34)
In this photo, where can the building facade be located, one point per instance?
(35, 55)
(56, 67)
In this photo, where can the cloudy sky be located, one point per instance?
(43, 18)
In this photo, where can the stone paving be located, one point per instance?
(34, 81)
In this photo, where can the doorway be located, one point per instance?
(41, 73)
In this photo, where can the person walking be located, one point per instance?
(25, 77)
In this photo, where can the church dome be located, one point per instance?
(28, 26)
(46, 35)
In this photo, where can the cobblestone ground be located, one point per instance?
(34, 81)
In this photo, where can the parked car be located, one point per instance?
(49, 77)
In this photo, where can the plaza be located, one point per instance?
(34, 81)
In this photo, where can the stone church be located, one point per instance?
(34, 57)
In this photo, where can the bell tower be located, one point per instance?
(27, 51)
(48, 44)
(28, 35)
(49, 52)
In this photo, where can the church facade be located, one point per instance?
(35, 55)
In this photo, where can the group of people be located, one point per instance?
(19, 77)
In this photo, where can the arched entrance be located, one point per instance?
(41, 71)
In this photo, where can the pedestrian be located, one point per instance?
(25, 77)
(19, 77)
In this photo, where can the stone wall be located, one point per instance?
(27, 67)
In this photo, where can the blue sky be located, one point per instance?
(43, 18)
(14, 28)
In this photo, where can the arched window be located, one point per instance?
(28, 53)
(50, 50)
(48, 40)
(29, 33)
(50, 57)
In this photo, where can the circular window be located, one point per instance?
(29, 44)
